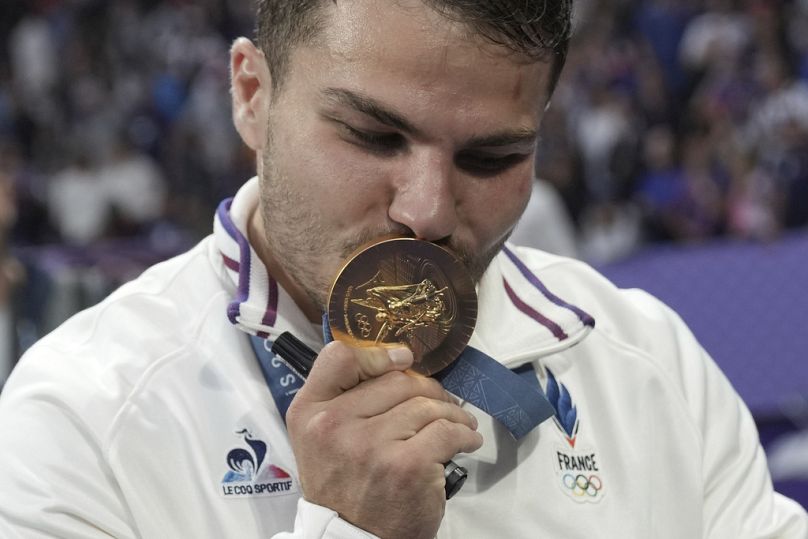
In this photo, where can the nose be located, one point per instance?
(424, 199)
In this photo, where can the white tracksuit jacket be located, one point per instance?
(122, 422)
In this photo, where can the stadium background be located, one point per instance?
(674, 158)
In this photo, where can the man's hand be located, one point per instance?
(370, 440)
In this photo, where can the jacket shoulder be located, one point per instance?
(631, 317)
(99, 356)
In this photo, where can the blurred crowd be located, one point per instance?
(119, 110)
(675, 120)
(115, 145)
(681, 120)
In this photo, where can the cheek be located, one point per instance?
(331, 177)
(499, 205)
(352, 185)
(328, 174)
(522, 190)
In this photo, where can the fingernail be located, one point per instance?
(473, 420)
(401, 356)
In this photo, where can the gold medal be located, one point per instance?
(405, 291)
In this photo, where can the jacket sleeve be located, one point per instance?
(53, 481)
(737, 486)
(739, 500)
(318, 522)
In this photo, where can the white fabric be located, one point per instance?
(120, 422)
(545, 224)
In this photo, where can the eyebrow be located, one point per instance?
(372, 108)
(522, 138)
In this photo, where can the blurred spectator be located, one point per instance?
(788, 457)
(610, 231)
(77, 203)
(783, 109)
(603, 129)
(754, 203)
(33, 56)
(602, 126)
(717, 36)
(681, 201)
(11, 276)
(546, 224)
(135, 190)
(660, 24)
(797, 22)
(703, 205)
(778, 131)
(662, 189)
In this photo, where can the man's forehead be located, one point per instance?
(362, 31)
(406, 55)
(392, 21)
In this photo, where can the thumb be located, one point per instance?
(340, 367)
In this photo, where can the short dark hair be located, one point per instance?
(537, 29)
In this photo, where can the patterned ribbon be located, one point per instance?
(283, 382)
(512, 398)
(515, 400)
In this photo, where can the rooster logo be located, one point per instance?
(245, 464)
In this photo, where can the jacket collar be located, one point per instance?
(260, 307)
(520, 319)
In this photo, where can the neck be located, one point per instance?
(256, 234)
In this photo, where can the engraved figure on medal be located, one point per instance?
(410, 312)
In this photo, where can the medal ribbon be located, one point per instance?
(512, 398)
(283, 382)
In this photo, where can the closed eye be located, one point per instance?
(381, 143)
(487, 165)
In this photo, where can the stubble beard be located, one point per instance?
(477, 264)
(301, 241)
(295, 235)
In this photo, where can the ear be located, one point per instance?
(251, 90)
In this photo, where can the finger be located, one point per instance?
(340, 367)
(379, 395)
(446, 439)
(410, 417)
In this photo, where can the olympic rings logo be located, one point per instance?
(581, 485)
(363, 324)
